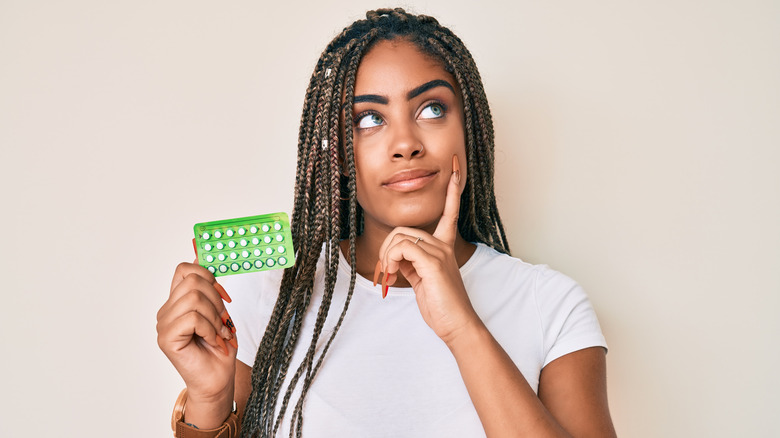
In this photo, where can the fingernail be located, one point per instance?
(222, 292)
(221, 343)
(377, 270)
(225, 333)
(195, 247)
(234, 342)
(385, 285)
(456, 168)
(228, 321)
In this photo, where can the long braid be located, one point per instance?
(322, 216)
(298, 413)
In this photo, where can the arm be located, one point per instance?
(572, 390)
(243, 387)
(572, 397)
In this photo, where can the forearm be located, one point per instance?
(505, 402)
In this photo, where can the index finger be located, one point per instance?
(185, 269)
(447, 228)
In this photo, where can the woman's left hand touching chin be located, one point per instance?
(429, 264)
(573, 386)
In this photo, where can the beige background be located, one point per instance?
(638, 146)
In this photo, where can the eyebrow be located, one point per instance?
(375, 98)
(427, 86)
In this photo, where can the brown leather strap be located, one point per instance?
(229, 429)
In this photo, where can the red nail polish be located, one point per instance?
(228, 321)
(385, 285)
(456, 167)
(222, 292)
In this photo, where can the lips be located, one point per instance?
(410, 180)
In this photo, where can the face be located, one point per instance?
(408, 123)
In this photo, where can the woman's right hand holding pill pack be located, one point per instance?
(196, 334)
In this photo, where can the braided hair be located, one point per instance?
(326, 210)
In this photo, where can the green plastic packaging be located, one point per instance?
(247, 244)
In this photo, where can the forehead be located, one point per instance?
(397, 66)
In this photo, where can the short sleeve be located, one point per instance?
(568, 320)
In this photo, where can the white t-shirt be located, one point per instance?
(387, 374)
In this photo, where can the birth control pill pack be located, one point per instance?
(247, 244)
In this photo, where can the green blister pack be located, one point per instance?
(247, 244)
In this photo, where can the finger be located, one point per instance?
(209, 308)
(399, 234)
(185, 269)
(400, 237)
(187, 328)
(210, 336)
(416, 252)
(194, 282)
(201, 285)
(193, 301)
(447, 229)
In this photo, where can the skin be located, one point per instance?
(406, 148)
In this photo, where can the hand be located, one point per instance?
(429, 264)
(191, 333)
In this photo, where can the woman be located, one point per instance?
(394, 183)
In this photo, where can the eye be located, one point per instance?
(433, 111)
(370, 121)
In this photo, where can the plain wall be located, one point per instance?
(638, 146)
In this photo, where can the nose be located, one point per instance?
(405, 143)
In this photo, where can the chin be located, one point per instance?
(417, 218)
(413, 211)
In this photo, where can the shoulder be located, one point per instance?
(538, 291)
(488, 263)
